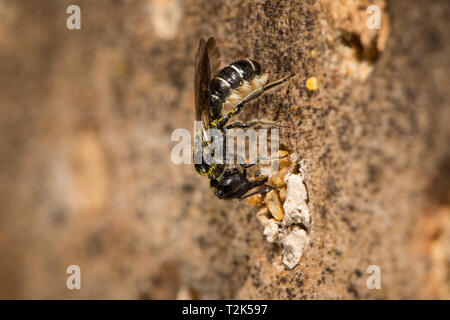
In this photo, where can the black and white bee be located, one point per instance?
(216, 90)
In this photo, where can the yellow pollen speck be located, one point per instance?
(314, 53)
(312, 84)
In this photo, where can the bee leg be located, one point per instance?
(259, 159)
(248, 165)
(251, 164)
(255, 94)
(266, 188)
(240, 124)
(241, 159)
(245, 166)
(271, 158)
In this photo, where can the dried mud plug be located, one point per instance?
(293, 245)
(285, 213)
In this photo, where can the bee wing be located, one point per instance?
(202, 76)
(214, 56)
(207, 59)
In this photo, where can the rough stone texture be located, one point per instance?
(86, 178)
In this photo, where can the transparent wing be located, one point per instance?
(202, 76)
(214, 56)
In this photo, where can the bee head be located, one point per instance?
(232, 185)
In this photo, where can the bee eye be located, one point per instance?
(202, 168)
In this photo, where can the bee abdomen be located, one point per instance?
(230, 78)
(248, 68)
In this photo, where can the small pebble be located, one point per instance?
(256, 200)
(273, 203)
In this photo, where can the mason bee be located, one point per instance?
(217, 89)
